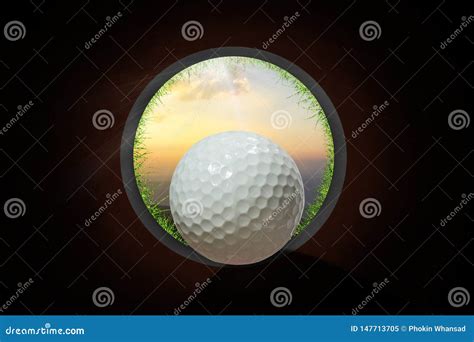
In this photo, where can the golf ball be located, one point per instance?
(236, 197)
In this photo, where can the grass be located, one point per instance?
(139, 156)
(322, 191)
(305, 99)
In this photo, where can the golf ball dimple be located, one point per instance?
(236, 197)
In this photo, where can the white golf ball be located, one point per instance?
(236, 197)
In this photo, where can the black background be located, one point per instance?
(409, 159)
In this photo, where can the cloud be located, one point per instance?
(208, 84)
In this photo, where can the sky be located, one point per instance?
(222, 95)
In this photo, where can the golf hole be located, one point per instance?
(231, 89)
